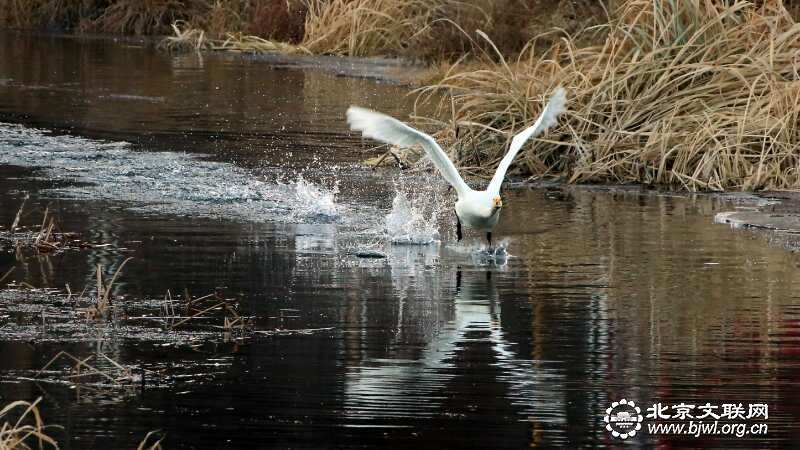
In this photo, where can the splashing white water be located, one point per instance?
(492, 256)
(481, 254)
(407, 222)
(314, 201)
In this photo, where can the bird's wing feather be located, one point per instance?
(392, 131)
(546, 119)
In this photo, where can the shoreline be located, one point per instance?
(776, 212)
(397, 71)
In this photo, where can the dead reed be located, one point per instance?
(186, 37)
(23, 427)
(6, 275)
(280, 20)
(100, 308)
(18, 216)
(428, 30)
(699, 94)
(49, 238)
(82, 372)
(439, 30)
(367, 27)
(205, 311)
(148, 444)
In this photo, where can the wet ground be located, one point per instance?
(237, 176)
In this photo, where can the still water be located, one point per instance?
(228, 174)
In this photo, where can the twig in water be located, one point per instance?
(145, 445)
(19, 213)
(6, 274)
(125, 375)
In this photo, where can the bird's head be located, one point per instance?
(497, 203)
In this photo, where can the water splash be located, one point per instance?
(492, 256)
(482, 255)
(407, 223)
(313, 201)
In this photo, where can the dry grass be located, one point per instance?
(82, 372)
(697, 94)
(23, 427)
(49, 239)
(119, 16)
(41, 13)
(176, 313)
(436, 30)
(341, 27)
(187, 38)
(18, 216)
(100, 308)
(430, 30)
(151, 444)
(269, 19)
(138, 16)
(368, 27)
(6, 275)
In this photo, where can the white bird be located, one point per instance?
(479, 210)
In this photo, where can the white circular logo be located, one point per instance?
(623, 419)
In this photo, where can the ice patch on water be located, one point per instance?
(163, 182)
(407, 223)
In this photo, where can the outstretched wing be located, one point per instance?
(548, 118)
(391, 131)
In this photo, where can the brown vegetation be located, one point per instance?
(429, 29)
(23, 427)
(80, 371)
(48, 239)
(697, 94)
(271, 19)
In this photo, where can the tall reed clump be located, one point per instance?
(379, 27)
(116, 16)
(430, 30)
(436, 30)
(23, 428)
(699, 94)
(269, 19)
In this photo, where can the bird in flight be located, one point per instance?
(479, 210)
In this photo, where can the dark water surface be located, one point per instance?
(181, 162)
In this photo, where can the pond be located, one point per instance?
(237, 176)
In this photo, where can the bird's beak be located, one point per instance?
(498, 203)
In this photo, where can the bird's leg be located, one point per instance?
(458, 228)
(489, 238)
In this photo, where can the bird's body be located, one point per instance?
(479, 210)
(476, 210)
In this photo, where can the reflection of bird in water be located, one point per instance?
(479, 210)
(393, 386)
